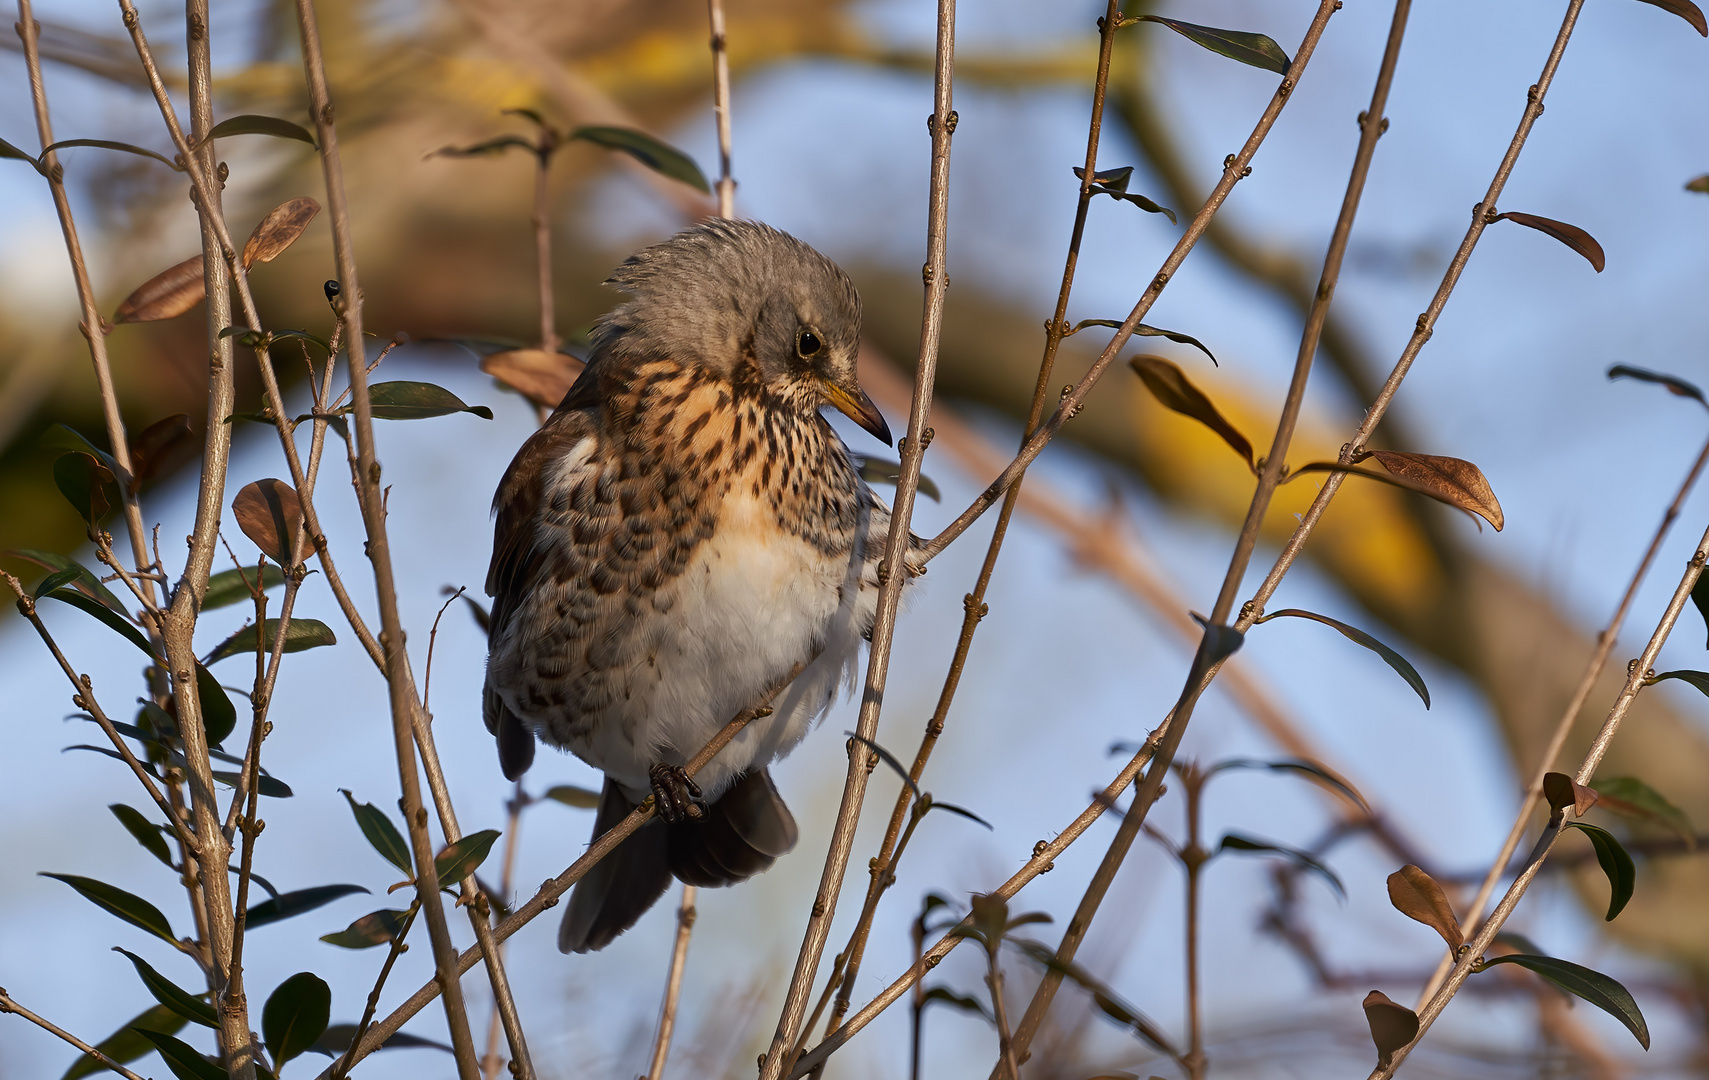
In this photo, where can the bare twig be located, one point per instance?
(685, 915)
(341, 1067)
(492, 1061)
(726, 186)
(8, 1005)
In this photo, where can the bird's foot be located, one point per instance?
(676, 797)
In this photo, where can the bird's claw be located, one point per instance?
(676, 797)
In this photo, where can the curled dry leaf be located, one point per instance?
(1563, 791)
(1171, 387)
(171, 292)
(269, 513)
(1416, 895)
(279, 230)
(1392, 1025)
(1692, 14)
(1674, 385)
(1570, 235)
(1454, 481)
(160, 448)
(540, 376)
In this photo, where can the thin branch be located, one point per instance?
(492, 1061)
(341, 1067)
(8, 1005)
(543, 238)
(685, 915)
(726, 186)
(896, 567)
(1593, 671)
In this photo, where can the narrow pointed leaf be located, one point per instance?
(1692, 14)
(1453, 481)
(105, 614)
(1256, 50)
(381, 833)
(954, 1000)
(279, 230)
(461, 859)
(1113, 182)
(1630, 797)
(109, 144)
(295, 1016)
(487, 147)
(1605, 993)
(1615, 861)
(301, 634)
(1395, 660)
(1108, 1002)
(232, 586)
(1309, 769)
(168, 294)
(7, 150)
(418, 401)
(87, 485)
(143, 830)
(1699, 679)
(54, 581)
(658, 156)
(1570, 235)
(960, 811)
(1171, 387)
(251, 124)
(1674, 385)
(889, 759)
(127, 1044)
(87, 583)
(1700, 597)
(171, 995)
(271, 515)
(540, 376)
(270, 786)
(219, 715)
(570, 795)
(336, 1040)
(375, 928)
(1148, 205)
(185, 1061)
(116, 901)
(288, 904)
(1248, 846)
(1392, 1025)
(1416, 895)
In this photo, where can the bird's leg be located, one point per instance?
(676, 796)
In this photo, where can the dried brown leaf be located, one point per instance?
(1170, 386)
(1392, 1025)
(160, 448)
(269, 513)
(171, 292)
(1686, 10)
(279, 230)
(1562, 791)
(1570, 235)
(540, 376)
(1416, 895)
(1452, 480)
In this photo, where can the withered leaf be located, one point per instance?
(1416, 895)
(269, 513)
(1453, 481)
(1674, 385)
(1393, 1026)
(161, 447)
(1171, 387)
(1562, 791)
(1688, 11)
(171, 292)
(1570, 235)
(540, 376)
(1698, 184)
(279, 230)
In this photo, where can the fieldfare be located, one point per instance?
(681, 534)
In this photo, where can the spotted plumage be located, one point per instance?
(684, 531)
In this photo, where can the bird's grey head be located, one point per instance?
(726, 293)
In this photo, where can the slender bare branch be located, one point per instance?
(8, 1005)
(726, 186)
(341, 1067)
(685, 915)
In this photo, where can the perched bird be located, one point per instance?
(682, 533)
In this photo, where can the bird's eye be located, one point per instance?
(808, 345)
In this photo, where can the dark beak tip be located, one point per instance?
(881, 430)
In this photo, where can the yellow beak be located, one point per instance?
(861, 410)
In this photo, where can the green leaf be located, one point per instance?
(1113, 182)
(1255, 49)
(116, 901)
(1700, 597)
(381, 833)
(301, 634)
(658, 156)
(55, 580)
(1692, 14)
(87, 583)
(374, 928)
(490, 146)
(62, 437)
(285, 905)
(1353, 633)
(7, 150)
(337, 1038)
(270, 786)
(145, 831)
(1630, 797)
(1310, 770)
(1699, 184)
(183, 1059)
(1593, 986)
(232, 586)
(1699, 679)
(87, 485)
(1246, 845)
(570, 795)
(1174, 391)
(1615, 862)
(295, 1016)
(127, 1044)
(461, 859)
(169, 994)
(418, 401)
(1570, 235)
(105, 614)
(251, 124)
(219, 715)
(108, 144)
